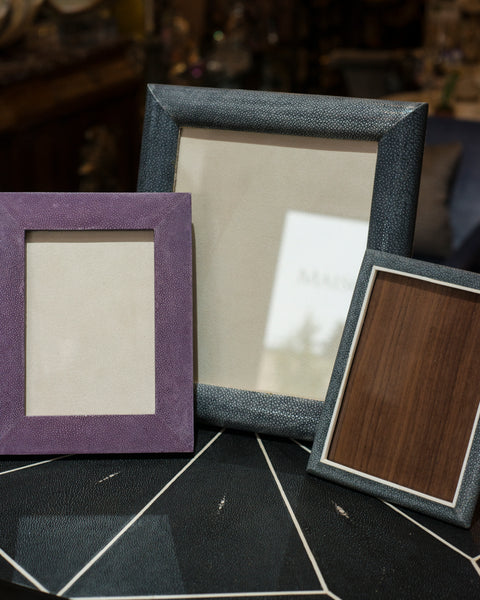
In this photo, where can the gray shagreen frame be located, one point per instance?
(460, 511)
(399, 129)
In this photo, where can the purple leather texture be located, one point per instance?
(399, 129)
(170, 429)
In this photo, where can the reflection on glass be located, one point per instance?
(243, 184)
(309, 303)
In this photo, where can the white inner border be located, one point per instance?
(338, 402)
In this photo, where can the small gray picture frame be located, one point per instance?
(460, 509)
(397, 127)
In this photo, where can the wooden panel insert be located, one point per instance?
(412, 394)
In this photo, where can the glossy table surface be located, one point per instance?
(239, 518)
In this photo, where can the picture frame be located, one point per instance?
(104, 367)
(218, 143)
(406, 374)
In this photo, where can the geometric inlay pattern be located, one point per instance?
(239, 518)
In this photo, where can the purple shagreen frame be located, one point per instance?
(170, 429)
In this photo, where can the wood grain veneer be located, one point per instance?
(411, 398)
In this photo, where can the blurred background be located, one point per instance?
(73, 72)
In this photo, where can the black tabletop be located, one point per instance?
(239, 518)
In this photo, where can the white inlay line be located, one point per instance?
(436, 536)
(37, 464)
(290, 594)
(471, 559)
(136, 517)
(293, 517)
(476, 566)
(22, 571)
(301, 445)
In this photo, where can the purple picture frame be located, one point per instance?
(170, 428)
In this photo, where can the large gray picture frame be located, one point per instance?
(398, 129)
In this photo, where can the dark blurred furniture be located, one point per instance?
(374, 73)
(452, 201)
(74, 125)
(277, 46)
(464, 197)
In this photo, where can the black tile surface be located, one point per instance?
(232, 534)
(144, 559)
(72, 508)
(117, 526)
(466, 541)
(66, 541)
(375, 550)
(14, 591)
